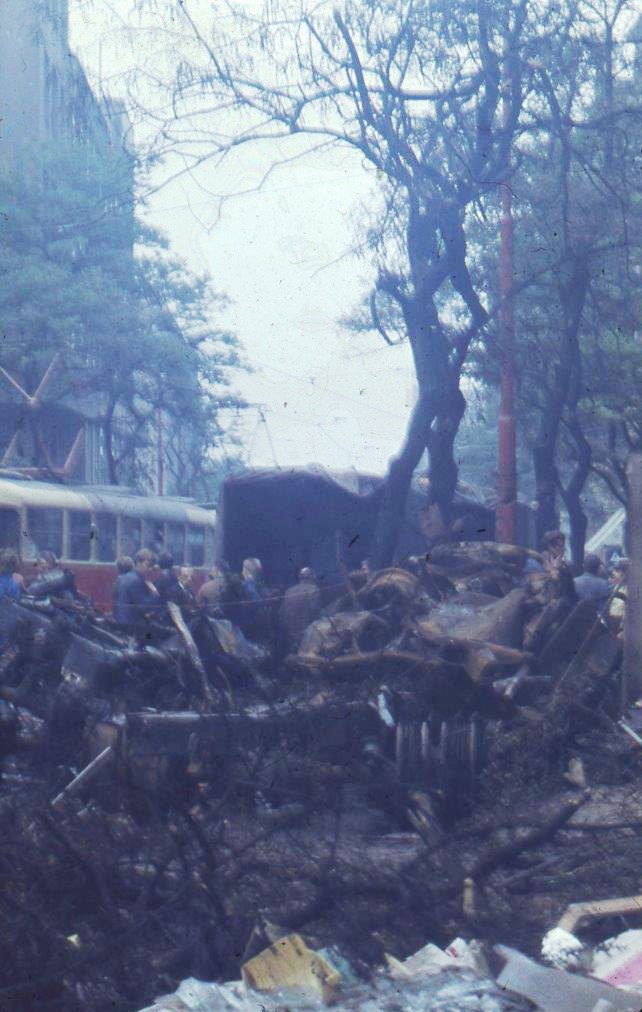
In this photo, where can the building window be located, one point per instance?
(45, 530)
(80, 535)
(154, 536)
(106, 537)
(175, 542)
(130, 536)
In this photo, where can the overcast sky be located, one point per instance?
(282, 257)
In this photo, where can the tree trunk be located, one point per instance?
(397, 486)
(572, 290)
(434, 426)
(545, 482)
(578, 524)
(573, 492)
(437, 250)
(443, 471)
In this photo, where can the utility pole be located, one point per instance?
(506, 516)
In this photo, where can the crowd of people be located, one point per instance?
(146, 584)
(50, 577)
(602, 584)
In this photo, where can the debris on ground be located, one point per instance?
(618, 961)
(438, 756)
(431, 980)
(550, 989)
(448, 992)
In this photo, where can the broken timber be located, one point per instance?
(86, 775)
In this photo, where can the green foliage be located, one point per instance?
(578, 258)
(81, 274)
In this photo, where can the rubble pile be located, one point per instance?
(466, 975)
(439, 755)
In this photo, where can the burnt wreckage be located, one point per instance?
(419, 668)
(407, 769)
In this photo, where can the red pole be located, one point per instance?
(506, 516)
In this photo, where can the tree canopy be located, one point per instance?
(415, 90)
(443, 102)
(576, 189)
(82, 275)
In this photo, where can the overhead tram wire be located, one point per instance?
(262, 417)
(311, 381)
(335, 393)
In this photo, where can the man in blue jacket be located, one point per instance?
(9, 588)
(8, 566)
(137, 596)
(592, 585)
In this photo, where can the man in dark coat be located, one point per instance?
(167, 583)
(124, 565)
(138, 596)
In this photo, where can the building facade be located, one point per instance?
(46, 99)
(44, 92)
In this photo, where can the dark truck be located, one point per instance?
(310, 517)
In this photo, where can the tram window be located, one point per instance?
(154, 536)
(45, 530)
(79, 535)
(209, 546)
(130, 536)
(176, 542)
(9, 528)
(106, 531)
(195, 546)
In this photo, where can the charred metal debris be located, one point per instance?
(438, 753)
